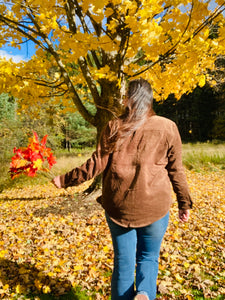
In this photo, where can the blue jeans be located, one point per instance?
(138, 247)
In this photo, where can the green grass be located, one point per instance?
(204, 156)
(65, 162)
(75, 294)
(197, 157)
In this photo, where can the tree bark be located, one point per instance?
(110, 109)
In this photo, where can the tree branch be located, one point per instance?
(52, 85)
(215, 14)
(102, 29)
(75, 97)
(81, 17)
(53, 94)
(71, 15)
(87, 75)
(50, 48)
(97, 26)
(16, 26)
(172, 50)
(96, 60)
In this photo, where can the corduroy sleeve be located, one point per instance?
(176, 170)
(94, 166)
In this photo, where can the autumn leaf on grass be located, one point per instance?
(31, 159)
(179, 278)
(20, 289)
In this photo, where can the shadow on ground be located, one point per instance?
(82, 205)
(25, 279)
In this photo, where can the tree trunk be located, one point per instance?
(109, 109)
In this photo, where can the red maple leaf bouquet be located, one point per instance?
(35, 157)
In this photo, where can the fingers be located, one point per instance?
(56, 181)
(184, 215)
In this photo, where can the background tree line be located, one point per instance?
(200, 116)
(64, 130)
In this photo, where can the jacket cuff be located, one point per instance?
(185, 204)
(62, 181)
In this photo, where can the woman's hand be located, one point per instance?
(56, 181)
(184, 215)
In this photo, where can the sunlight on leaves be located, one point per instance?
(51, 242)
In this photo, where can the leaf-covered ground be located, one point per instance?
(51, 241)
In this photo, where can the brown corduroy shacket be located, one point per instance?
(136, 188)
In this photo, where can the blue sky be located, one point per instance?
(27, 50)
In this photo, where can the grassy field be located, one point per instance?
(197, 157)
(54, 246)
(205, 156)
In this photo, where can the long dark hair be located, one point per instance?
(139, 100)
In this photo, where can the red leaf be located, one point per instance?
(24, 158)
(44, 140)
(51, 160)
(32, 171)
(35, 138)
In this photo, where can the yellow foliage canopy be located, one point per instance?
(97, 44)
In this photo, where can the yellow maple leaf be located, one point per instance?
(5, 287)
(106, 249)
(18, 163)
(38, 163)
(201, 82)
(20, 289)
(38, 284)
(78, 268)
(3, 253)
(179, 278)
(46, 289)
